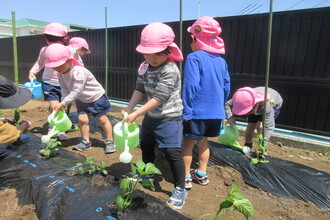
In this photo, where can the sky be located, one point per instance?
(91, 13)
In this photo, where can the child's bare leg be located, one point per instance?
(249, 133)
(106, 125)
(84, 126)
(187, 153)
(204, 154)
(259, 127)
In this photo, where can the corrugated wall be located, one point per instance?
(300, 67)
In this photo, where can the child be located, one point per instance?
(54, 33)
(12, 97)
(250, 101)
(78, 84)
(159, 80)
(81, 45)
(206, 87)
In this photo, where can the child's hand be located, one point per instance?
(59, 107)
(231, 121)
(130, 118)
(32, 76)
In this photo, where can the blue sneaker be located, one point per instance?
(83, 145)
(178, 198)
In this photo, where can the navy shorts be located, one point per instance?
(198, 128)
(51, 93)
(255, 118)
(97, 108)
(163, 134)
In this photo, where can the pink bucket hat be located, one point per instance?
(244, 100)
(206, 31)
(56, 29)
(156, 37)
(78, 42)
(57, 55)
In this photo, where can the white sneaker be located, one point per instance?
(61, 136)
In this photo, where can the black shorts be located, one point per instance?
(198, 128)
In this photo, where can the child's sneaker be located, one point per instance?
(203, 180)
(110, 147)
(73, 128)
(139, 178)
(178, 198)
(83, 145)
(187, 182)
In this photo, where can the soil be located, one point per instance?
(201, 199)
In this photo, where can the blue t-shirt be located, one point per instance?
(206, 86)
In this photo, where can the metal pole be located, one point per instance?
(180, 64)
(15, 47)
(106, 52)
(269, 41)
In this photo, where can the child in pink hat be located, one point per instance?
(81, 45)
(159, 81)
(206, 87)
(53, 33)
(250, 101)
(79, 85)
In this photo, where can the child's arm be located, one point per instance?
(39, 64)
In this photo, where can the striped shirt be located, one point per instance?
(162, 83)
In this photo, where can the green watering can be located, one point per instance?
(229, 138)
(60, 122)
(126, 138)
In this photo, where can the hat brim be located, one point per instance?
(238, 110)
(149, 50)
(21, 97)
(215, 45)
(61, 62)
(176, 53)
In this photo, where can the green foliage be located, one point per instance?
(262, 151)
(127, 187)
(51, 149)
(90, 166)
(17, 117)
(234, 201)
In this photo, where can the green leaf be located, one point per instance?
(254, 160)
(140, 165)
(151, 169)
(148, 183)
(234, 187)
(226, 204)
(245, 207)
(103, 164)
(125, 186)
(120, 202)
(90, 160)
(133, 168)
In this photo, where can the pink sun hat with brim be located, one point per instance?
(244, 100)
(56, 29)
(57, 55)
(206, 31)
(156, 37)
(78, 42)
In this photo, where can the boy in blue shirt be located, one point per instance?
(206, 88)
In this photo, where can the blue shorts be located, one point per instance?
(51, 93)
(97, 108)
(255, 118)
(198, 128)
(163, 134)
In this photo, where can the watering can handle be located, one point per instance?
(32, 82)
(125, 131)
